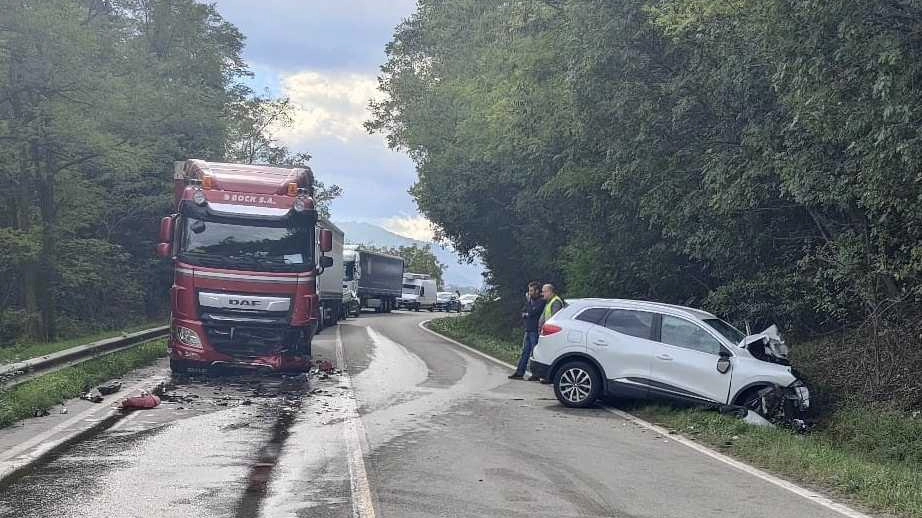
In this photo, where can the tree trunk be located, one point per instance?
(47, 262)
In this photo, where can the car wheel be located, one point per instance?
(577, 384)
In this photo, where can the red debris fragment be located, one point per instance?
(326, 366)
(143, 401)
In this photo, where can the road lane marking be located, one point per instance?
(812, 496)
(422, 325)
(354, 433)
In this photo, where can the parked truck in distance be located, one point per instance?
(329, 283)
(247, 254)
(374, 279)
(419, 291)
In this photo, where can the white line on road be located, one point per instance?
(354, 432)
(746, 468)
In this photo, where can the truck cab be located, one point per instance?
(247, 253)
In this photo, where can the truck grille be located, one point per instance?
(247, 340)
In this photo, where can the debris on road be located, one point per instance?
(92, 395)
(326, 367)
(110, 388)
(39, 412)
(142, 402)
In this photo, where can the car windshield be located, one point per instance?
(729, 332)
(254, 247)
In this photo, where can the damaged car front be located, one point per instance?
(765, 383)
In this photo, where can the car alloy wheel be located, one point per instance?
(577, 384)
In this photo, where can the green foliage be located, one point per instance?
(97, 99)
(53, 389)
(879, 469)
(415, 260)
(466, 330)
(755, 158)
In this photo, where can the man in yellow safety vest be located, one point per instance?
(553, 303)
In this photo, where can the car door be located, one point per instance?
(623, 346)
(685, 362)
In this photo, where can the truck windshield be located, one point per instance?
(410, 289)
(349, 270)
(251, 246)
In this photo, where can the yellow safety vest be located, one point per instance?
(548, 308)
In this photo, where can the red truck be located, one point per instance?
(247, 252)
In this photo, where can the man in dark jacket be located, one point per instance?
(534, 306)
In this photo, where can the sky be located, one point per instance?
(324, 55)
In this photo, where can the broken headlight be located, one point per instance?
(801, 394)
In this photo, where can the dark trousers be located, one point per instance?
(528, 343)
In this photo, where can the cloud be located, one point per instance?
(346, 35)
(327, 105)
(414, 227)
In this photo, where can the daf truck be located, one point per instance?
(247, 253)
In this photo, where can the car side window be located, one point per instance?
(682, 333)
(631, 323)
(593, 315)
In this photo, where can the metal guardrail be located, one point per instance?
(15, 373)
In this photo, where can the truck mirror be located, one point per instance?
(165, 250)
(326, 261)
(166, 229)
(326, 240)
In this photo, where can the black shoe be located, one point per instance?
(515, 376)
(533, 378)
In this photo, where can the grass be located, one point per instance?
(52, 389)
(26, 351)
(464, 329)
(869, 456)
(871, 476)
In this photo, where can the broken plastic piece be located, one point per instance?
(144, 401)
(93, 395)
(110, 388)
(755, 419)
(326, 366)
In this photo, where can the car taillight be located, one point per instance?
(549, 329)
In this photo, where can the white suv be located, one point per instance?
(645, 349)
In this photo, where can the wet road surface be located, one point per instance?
(414, 426)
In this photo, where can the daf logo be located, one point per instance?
(243, 302)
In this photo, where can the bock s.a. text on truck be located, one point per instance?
(247, 252)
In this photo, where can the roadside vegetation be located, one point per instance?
(758, 159)
(91, 119)
(27, 350)
(869, 455)
(51, 390)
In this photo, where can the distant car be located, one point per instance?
(447, 301)
(467, 301)
(646, 350)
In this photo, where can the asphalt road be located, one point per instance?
(413, 427)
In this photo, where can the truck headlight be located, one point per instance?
(188, 337)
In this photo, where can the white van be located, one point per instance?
(419, 292)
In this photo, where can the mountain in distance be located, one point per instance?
(456, 275)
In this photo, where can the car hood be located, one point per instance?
(767, 346)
